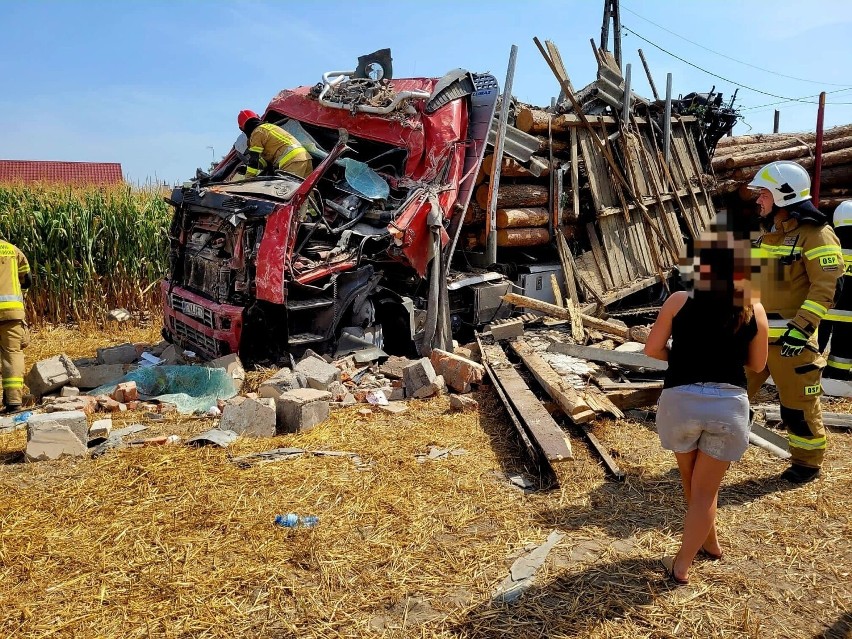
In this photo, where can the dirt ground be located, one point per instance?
(180, 542)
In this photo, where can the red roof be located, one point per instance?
(61, 172)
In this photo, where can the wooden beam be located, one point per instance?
(565, 314)
(574, 406)
(601, 450)
(627, 399)
(593, 354)
(552, 440)
(557, 292)
(836, 420)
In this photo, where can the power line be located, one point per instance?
(701, 46)
(716, 75)
(805, 97)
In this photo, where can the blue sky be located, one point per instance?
(154, 84)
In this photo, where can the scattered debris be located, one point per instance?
(461, 403)
(51, 374)
(397, 408)
(459, 372)
(286, 454)
(100, 429)
(521, 482)
(435, 453)
(522, 573)
(301, 409)
(214, 437)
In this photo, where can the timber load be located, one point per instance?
(589, 175)
(738, 159)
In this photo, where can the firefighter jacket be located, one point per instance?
(800, 262)
(270, 145)
(14, 277)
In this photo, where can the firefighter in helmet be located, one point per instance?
(271, 146)
(801, 260)
(838, 322)
(14, 279)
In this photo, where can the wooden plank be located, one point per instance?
(613, 241)
(562, 313)
(573, 302)
(534, 453)
(557, 292)
(601, 450)
(692, 151)
(621, 293)
(552, 440)
(836, 420)
(598, 254)
(575, 176)
(593, 354)
(626, 386)
(628, 399)
(588, 271)
(568, 399)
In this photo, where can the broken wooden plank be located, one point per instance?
(572, 305)
(627, 399)
(608, 386)
(568, 399)
(535, 453)
(552, 440)
(564, 314)
(836, 420)
(606, 458)
(593, 354)
(600, 260)
(557, 292)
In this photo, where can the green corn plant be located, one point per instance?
(91, 248)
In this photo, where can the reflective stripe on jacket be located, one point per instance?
(271, 145)
(799, 268)
(13, 268)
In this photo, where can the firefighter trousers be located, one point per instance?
(12, 361)
(798, 382)
(840, 355)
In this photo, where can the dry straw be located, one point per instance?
(179, 542)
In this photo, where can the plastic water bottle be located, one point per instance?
(292, 520)
(20, 418)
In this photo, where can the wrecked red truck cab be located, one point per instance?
(354, 254)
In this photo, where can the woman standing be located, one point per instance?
(703, 413)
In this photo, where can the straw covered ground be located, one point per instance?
(179, 542)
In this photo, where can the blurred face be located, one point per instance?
(764, 202)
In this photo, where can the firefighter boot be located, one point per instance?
(12, 362)
(798, 382)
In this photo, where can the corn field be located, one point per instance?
(91, 249)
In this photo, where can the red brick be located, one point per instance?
(458, 372)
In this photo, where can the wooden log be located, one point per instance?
(514, 195)
(551, 439)
(557, 292)
(562, 393)
(562, 313)
(535, 121)
(517, 218)
(759, 147)
(834, 158)
(474, 214)
(830, 134)
(512, 168)
(792, 153)
(559, 146)
(520, 237)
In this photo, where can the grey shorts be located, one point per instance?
(710, 417)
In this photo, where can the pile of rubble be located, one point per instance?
(292, 400)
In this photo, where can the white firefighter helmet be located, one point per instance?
(843, 214)
(788, 182)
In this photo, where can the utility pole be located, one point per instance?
(612, 12)
(775, 126)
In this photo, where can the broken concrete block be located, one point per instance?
(47, 440)
(233, 366)
(418, 374)
(396, 408)
(107, 404)
(69, 391)
(338, 391)
(122, 354)
(284, 380)
(397, 395)
(319, 373)
(393, 366)
(301, 409)
(438, 387)
(75, 420)
(250, 417)
(125, 392)
(459, 372)
(508, 329)
(95, 375)
(50, 374)
(171, 354)
(462, 403)
(100, 428)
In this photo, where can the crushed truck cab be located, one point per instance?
(358, 249)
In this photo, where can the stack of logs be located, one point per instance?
(737, 160)
(524, 209)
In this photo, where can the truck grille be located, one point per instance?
(193, 310)
(189, 337)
